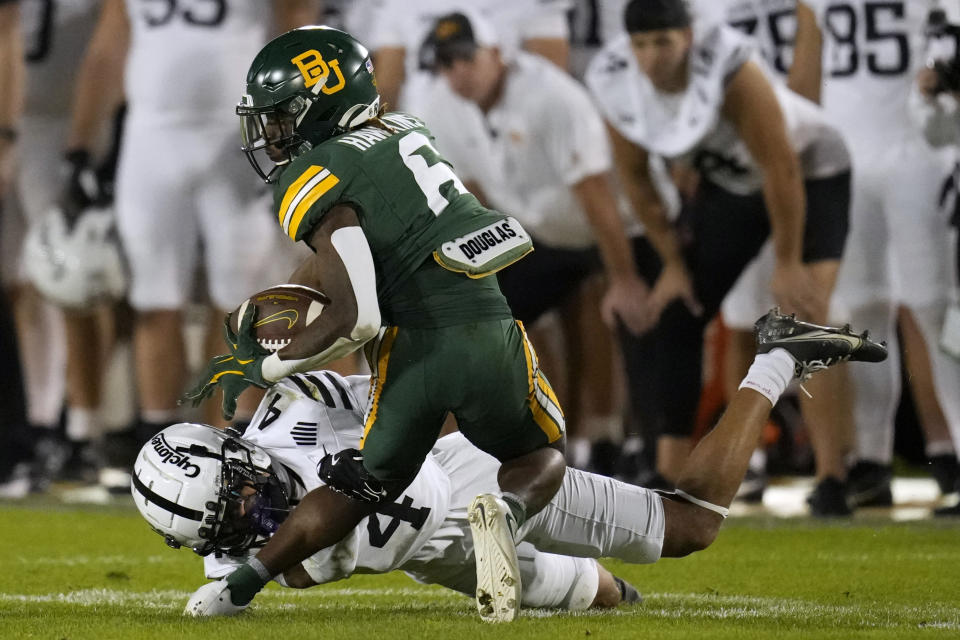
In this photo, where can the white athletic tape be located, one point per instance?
(722, 511)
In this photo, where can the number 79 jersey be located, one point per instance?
(300, 420)
(407, 198)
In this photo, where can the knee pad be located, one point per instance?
(344, 472)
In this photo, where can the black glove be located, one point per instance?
(82, 188)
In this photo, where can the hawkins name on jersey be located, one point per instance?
(407, 197)
(302, 419)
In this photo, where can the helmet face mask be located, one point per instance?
(269, 135)
(304, 87)
(252, 505)
(208, 490)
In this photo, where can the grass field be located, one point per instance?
(77, 572)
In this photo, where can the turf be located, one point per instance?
(100, 573)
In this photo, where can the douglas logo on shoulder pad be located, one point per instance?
(169, 456)
(486, 250)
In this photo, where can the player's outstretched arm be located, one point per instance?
(342, 268)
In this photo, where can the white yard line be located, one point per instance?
(170, 597)
(656, 605)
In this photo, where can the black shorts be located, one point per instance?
(545, 278)
(720, 234)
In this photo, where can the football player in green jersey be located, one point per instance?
(402, 250)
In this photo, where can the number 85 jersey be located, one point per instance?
(872, 51)
(301, 419)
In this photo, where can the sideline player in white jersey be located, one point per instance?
(692, 92)
(179, 184)
(543, 157)
(64, 352)
(217, 493)
(935, 106)
(778, 28)
(13, 458)
(898, 255)
(400, 28)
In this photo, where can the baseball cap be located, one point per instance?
(455, 36)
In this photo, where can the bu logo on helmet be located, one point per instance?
(317, 70)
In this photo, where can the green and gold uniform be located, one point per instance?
(450, 343)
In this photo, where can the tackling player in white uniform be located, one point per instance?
(214, 493)
(898, 254)
(425, 532)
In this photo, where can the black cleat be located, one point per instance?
(946, 472)
(814, 347)
(829, 499)
(948, 512)
(628, 592)
(868, 484)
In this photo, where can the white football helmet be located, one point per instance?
(208, 489)
(75, 265)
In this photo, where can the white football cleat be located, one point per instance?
(212, 599)
(498, 570)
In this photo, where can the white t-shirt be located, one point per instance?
(188, 60)
(300, 420)
(689, 125)
(406, 24)
(55, 37)
(543, 136)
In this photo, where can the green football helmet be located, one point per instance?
(304, 87)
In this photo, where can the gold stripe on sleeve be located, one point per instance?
(294, 189)
(308, 200)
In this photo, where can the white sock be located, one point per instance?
(770, 374)
(939, 448)
(159, 416)
(578, 452)
(83, 424)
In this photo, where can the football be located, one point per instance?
(283, 311)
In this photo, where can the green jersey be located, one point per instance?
(425, 230)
